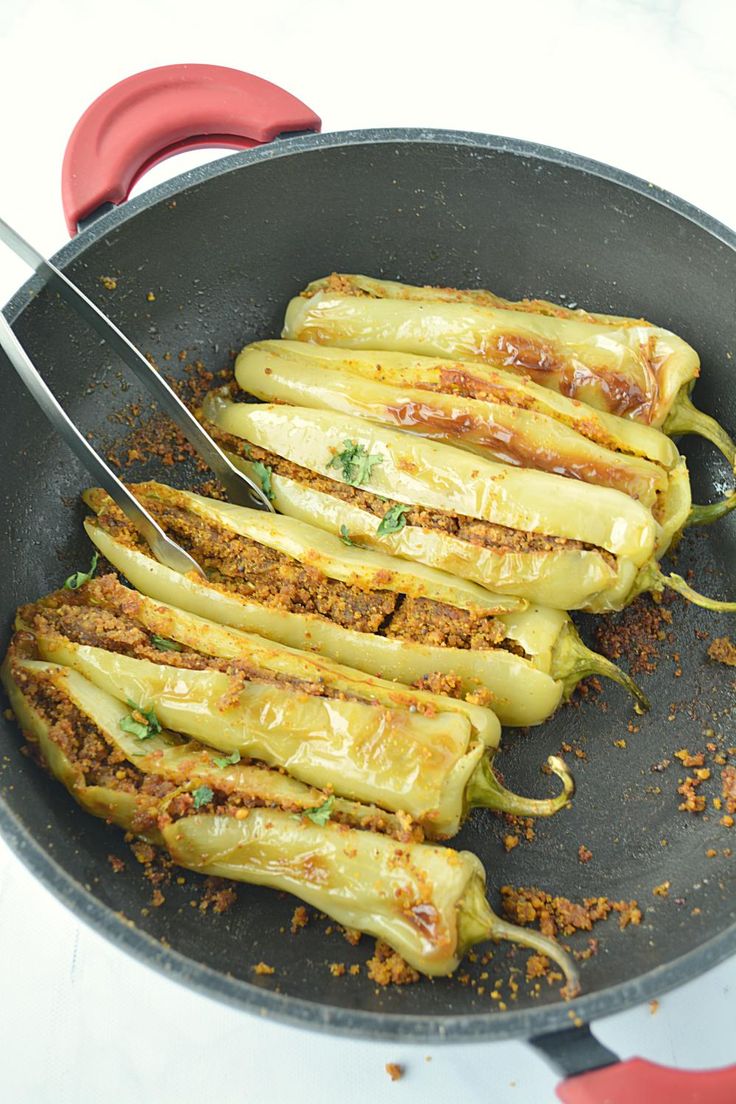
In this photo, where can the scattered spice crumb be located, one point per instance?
(394, 1070)
(510, 842)
(722, 650)
(694, 802)
(108, 282)
(299, 919)
(337, 969)
(637, 632)
(219, 895)
(537, 965)
(689, 760)
(388, 968)
(710, 853)
(662, 890)
(117, 864)
(263, 968)
(728, 788)
(653, 1007)
(527, 905)
(584, 854)
(151, 297)
(619, 743)
(157, 898)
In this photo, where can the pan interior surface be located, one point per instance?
(222, 250)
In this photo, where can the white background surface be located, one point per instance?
(648, 86)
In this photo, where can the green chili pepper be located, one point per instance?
(427, 902)
(554, 541)
(327, 725)
(537, 658)
(622, 365)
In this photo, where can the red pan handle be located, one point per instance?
(155, 114)
(637, 1080)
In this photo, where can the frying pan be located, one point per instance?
(223, 248)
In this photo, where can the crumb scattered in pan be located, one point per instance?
(558, 915)
(537, 965)
(108, 282)
(584, 854)
(510, 842)
(692, 802)
(388, 968)
(394, 1070)
(263, 968)
(653, 1007)
(522, 827)
(299, 919)
(637, 632)
(352, 935)
(117, 864)
(337, 969)
(728, 788)
(689, 760)
(157, 898)
(723, 650)
(662, 890)
(219, 895)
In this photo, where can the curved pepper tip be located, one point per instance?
(486, 792)
(677, 583)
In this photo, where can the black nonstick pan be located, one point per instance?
(222, 249)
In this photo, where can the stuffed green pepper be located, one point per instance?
(366, 869)
(289, 581)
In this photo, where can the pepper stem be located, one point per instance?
(684, 419)
(712, 511)
(486, 792)
(676, 582)
(477, 922)
(572, 661)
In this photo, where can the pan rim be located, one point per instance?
(472, 1027)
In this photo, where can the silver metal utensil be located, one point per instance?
(240, 489)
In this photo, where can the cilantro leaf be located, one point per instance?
(393, 521)
(227, 760)
(75, 581)
(345, 537)
(140, 723)
(264, 475)
(202, 796)
(320, 814)
(355, 462)
(164, 645)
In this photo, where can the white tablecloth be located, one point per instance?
(648, 86)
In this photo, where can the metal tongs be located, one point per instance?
(240, 489)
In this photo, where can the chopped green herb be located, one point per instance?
(345, 536)
(393, 521)
(140, 723)
(355, 462)
(227, 760)
(320, 814)
(165, 645)
(202, 796)
(264, 475)
(75, 581)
